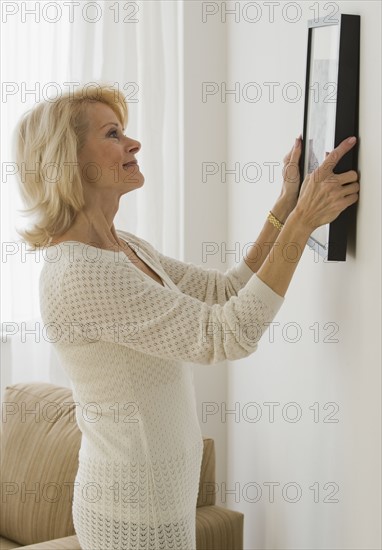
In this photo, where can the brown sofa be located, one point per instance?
(40, 441)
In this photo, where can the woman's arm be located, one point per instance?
(258, 252)
(281, 209)
(208, 285)
(324, 195)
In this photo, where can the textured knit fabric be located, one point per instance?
(123, 339)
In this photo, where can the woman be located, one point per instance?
(125, 316)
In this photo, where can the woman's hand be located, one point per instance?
(291, 172)
(324, 195)
(291, 183)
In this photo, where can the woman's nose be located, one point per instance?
(132, 145)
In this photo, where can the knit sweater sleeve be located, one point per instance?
(110, 301)
(208, 285)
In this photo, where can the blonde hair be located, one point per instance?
(50, 135)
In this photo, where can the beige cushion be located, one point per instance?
(6, 544)
(216, 529)
(66, 543)
(39, 453)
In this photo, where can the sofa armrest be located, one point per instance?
(207, 485)
(218, 528)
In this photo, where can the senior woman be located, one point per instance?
(127, 316)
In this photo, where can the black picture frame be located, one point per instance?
(340, 41)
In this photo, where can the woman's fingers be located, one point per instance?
(324, 195)
(287, 157)
(348, 201)
(350, 188)
(343, 179)
(326, 168)
(348, 177)
(334, 190)
(294, 153)
(291, 170)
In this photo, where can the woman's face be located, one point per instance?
(105, 153)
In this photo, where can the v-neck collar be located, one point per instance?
(144, 256)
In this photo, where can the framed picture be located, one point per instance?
(331, 114)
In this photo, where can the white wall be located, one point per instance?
(346, 295)
(339, 378)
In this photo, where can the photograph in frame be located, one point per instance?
(331, 114)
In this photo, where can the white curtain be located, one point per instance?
(48, 48)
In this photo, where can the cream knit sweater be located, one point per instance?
(121, 338)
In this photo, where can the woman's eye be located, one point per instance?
(113, 133)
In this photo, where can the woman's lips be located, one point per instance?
(126, 166)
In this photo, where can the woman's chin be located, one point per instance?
(136, 181)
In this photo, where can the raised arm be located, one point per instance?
(283, 206)
(324, 195)
(109, 301)
(208, 285)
